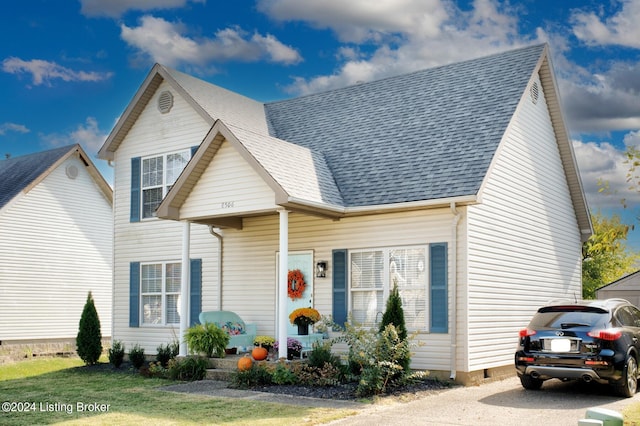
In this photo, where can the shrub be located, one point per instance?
(166, 353)
(283, 375)
(321, 354)
(136, 356)
(375, 358)
(327, 375)
(89, 339)
(257, 375)
(188, 369)
(208, 339)
(116, 353)
(385, 369)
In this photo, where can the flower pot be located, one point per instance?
(291, 354)
(303, 329)
(231, 351)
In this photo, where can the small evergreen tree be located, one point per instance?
(89, 339)
(394, 315)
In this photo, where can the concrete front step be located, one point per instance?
(223, 368)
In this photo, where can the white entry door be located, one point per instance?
(302, 260)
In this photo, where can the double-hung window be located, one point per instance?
(160, 292)
(159, 173)
(374, 272)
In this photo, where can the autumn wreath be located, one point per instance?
(296, 284)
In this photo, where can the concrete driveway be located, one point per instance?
(498, 403)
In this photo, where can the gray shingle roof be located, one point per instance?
(18, 172)
(301, 172)
(422, 136)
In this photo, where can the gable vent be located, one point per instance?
(165, 102)
(71, 171)
(534, 92)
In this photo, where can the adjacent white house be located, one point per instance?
(627, 287)
(458, 183)
(56, 238)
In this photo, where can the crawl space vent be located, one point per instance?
(165, 102)
(533, 91)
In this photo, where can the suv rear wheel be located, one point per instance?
(629, 382)
(530, 383)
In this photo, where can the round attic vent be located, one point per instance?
(534, 92)
(71, 171)
(165, 102)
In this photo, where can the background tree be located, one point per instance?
(606, 257)
(89, 339)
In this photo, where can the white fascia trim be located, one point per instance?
(347, 211)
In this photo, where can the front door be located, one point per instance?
(303, 261)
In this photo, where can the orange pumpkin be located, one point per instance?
(259, 353)
(245, 363)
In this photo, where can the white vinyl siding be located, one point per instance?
(228, 185)
(524, 243)
(153, 241)
(56, 246)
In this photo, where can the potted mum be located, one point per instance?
(264, 341)
(303, 318)
(294, 347)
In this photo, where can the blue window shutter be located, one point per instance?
(195, 289)
(134, 294)
(340, 296)
(135, 190)
(438, 294)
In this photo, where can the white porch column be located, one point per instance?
(283, 273)
(185, 279)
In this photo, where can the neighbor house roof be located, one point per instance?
(21, 174)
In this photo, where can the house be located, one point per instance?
(458, 183)
(627, 287)
(56, 238)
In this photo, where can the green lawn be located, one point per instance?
(62, 391)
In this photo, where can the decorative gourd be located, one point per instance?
(259, 353)
(245, 363)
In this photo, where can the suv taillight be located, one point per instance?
(526, 332)
(609, 334)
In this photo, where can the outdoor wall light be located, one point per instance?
(321, 269)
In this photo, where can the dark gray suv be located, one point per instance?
(592, 340)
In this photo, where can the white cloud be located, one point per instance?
(358, 21)
(115, 8)
(12, 127)
(619, 29)
(603, 163)
(43, 72)
(412, 35)
(602, 101)
(88, 135)
(632, 139)
(165, 42)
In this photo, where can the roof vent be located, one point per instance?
(534, 92)
(165, 102)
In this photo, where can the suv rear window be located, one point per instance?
(569, 316)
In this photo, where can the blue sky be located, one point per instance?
(69, 68)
